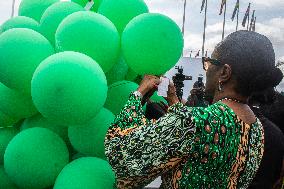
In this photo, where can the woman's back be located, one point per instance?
(190, 147)
(226, 151)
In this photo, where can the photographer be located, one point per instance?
(196, 97)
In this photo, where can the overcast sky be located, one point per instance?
(270, 20)
(269, 13)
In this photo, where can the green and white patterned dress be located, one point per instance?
(188, 147)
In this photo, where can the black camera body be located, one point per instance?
(199, 83)
(178, 80)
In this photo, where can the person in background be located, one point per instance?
(271, 171)
(196, 98)
(275, 111)
(199, 83)
(220, 146)
(197, 94)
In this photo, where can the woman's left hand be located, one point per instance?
(149, 83)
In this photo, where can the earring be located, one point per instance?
(220, 88)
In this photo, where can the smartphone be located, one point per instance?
(163, 87)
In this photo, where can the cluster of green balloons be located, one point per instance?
(65, 72)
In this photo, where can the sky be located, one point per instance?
(269, 13)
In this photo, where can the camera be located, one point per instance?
(199, 83)
(178, 80)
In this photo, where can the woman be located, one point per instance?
(220, 146)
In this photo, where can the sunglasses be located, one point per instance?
(205, 61)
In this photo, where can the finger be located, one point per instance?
(171, 87)
(157, 81)
(171, 84)
(152, 76)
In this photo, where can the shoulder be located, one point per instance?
(215, 110)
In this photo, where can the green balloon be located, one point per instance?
(92, 34)
(117, 72)
(131, 75)
(21, 51)
(18, 124)
(15, 104)
(157, 98)
(39, 121)
(151, 44)
(6, 135)
(35, 157)
(83, 3)
(118, 94)
(77, 156)
(34, 8)
(6, 120)
(69, 88)
(5, 181)
(120, 12)
(88, 139)
(87, 173)
(54, 15)
(20, 22)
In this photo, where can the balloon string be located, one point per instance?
(6, 127)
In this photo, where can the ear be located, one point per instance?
(225, 74)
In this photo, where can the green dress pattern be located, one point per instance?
(188, 147)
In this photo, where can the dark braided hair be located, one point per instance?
(252, 59)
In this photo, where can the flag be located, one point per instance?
(237, 7)
(251, 20)
(253, 25)
(197, 54)
(246, 16)
(202, 6)
(222, 6)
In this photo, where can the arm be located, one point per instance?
(140, 151)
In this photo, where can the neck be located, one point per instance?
(231, 94)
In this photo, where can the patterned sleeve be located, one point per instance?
(139, 151)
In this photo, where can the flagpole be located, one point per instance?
(13, 8)
(183, 19)
(253, 29)
(237, 19)
(248, 19)
(224, 22)
(204, 29)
